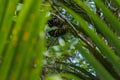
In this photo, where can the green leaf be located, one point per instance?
(101, 71)
(106, 51)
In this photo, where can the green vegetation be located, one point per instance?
(59, 40)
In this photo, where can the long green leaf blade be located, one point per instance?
(101, 71)
(99, 43)
(102, 27)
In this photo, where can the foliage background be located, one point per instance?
(59, 40)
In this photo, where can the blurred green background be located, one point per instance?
(59, 40)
